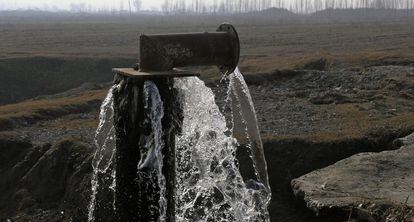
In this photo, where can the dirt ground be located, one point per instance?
(308, 119)
(323, 90)
(266, 44)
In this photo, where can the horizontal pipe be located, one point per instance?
(168, 51)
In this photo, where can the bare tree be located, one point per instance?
(137, 4)
(166, 6)
(121, 6)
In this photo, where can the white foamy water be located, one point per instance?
(153, 157)
(209, 184)
(105, 150)
(103, 161)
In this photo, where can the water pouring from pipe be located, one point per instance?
(167, 146)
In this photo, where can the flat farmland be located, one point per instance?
(324, 90)
(265, 44)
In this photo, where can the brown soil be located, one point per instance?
(300, 135)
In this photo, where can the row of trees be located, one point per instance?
(298, 6)
(218, 6)
(308, 6)
(235, 6)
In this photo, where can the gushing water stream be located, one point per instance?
(245, 125)
(105, 152)
(210, 185)
(153, 157)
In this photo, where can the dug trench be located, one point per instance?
(291, 158)
(52, 181)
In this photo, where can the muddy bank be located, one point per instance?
(44, 182)
(46, 179)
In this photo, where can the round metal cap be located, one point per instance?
(231, 65)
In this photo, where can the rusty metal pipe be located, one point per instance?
(167, 51)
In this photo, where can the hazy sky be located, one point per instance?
(59, 4)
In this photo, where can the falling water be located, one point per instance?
(210, 185)
(152, 154)
(105, 152)
(245, 125)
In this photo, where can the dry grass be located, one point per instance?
(74, 124)
(32, 106)
(35, 110)
(353, 124)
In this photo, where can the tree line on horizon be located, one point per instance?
(240, 6)
(297, 6)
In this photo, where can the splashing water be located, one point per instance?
(245, 126)
(104, 155)
(210, 185)
(153, 158)
(243, 113)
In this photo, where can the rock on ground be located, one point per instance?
(367, 186)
